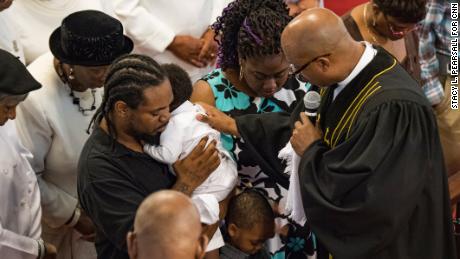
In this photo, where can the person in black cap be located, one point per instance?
(52, 122)
(20, 216)
(15, 83)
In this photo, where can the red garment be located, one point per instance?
(342, 6)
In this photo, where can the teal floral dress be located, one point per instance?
(234, 102)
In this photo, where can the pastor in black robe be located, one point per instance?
(375, 185)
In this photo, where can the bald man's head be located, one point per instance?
(167, 225)
(317, 34)
(314, 32)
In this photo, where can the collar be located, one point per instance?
(184, 107)
(366, 58)
(234, 252)
(108, 145)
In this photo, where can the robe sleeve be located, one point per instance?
(359, 195)
(264, 136)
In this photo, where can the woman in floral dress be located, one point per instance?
(254, 78)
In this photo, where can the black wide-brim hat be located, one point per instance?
(89, 38)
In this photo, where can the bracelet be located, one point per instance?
(41, 249)
(75, 217)
(70, 219)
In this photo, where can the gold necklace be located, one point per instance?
(367, 26)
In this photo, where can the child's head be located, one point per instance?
(250, 221)
(180, 83)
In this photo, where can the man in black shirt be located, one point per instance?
(115, 176)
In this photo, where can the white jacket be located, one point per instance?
(20, 212)
(152, 25)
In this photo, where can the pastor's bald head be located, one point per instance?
(314, 32)
(167, 225)
(319, 35)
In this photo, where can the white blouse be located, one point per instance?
(54, 130)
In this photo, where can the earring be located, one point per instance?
(60, 72)
(71, 76)
(241, 73)
(373, 21)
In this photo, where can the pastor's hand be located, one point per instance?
(304, 135)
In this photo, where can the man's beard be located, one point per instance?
(153, 139)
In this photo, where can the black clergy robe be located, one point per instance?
(375, 185)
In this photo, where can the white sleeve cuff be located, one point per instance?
(208, 207)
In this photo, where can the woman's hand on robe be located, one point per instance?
(194, 169)
(218, 120)
(303, 135)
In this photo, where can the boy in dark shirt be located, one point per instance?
(249, 222)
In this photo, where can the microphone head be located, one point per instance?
(312, 100)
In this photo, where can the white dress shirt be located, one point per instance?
(54, 131)
(20, 212)
(35, 20)
(366, 58)
(152, 25)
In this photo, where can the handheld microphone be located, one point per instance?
(312, 100)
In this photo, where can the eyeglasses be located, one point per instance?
(297, 72)
(400, 32)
